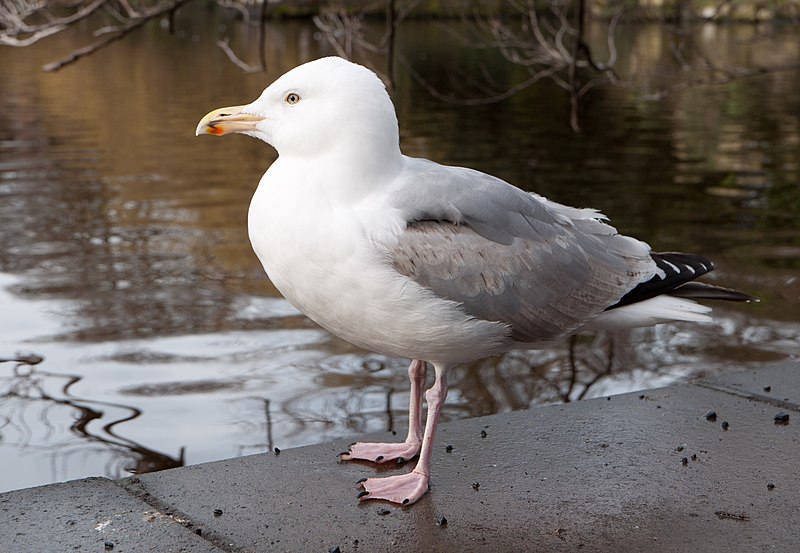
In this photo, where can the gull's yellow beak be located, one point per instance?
(227, 120)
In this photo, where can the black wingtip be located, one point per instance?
(705, 291)
(675, 277)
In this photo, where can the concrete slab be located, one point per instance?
(776, 384)
(640, 472)
(93, 514)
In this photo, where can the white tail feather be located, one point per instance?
(661, 309)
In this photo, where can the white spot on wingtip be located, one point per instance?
(672, 265)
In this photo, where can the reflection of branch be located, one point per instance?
(720, 76)
(341, 30)
(24, 359)
(553, 48)
(246, 67)
(345, 33)
(492, 99)
(238, 6)
(600, 374)
(573, 370)
(30, 387)
(12, 18)
(121, 31)
(261, 42)
(704, 71)
(716, 10)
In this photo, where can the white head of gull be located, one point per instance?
(441, 265)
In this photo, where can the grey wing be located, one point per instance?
(508, 256)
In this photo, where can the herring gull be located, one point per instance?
(442, 265)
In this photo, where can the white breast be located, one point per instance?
(327, 259)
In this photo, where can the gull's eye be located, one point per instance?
(292, 98)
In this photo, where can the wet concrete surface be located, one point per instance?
(93, 514)
(649, 471)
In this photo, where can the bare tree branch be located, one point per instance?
(246, 67)
(238, 6)
(552, 47)
(497, 97)
(15, 32)
(262, 33)
(344, 31)
(338, 29)
(156, 11)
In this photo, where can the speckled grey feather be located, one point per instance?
(505, 255)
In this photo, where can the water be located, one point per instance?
(124, 260)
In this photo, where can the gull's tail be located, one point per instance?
(675, 276)
(668, 296)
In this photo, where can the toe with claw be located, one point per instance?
(403, 489)
(381, 453)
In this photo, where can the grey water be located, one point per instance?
(125, 264)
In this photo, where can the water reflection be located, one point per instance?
(124, 259)
(36, 404)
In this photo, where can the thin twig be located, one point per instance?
(246, 67)
(499, 97)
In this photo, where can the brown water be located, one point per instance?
(124, 260)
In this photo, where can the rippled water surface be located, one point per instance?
(125, 265)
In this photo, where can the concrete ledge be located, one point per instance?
(93, 514)
(638, 472)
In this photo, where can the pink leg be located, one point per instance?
(407, 488)
(381, 453)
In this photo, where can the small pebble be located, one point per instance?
(782, 418)
(711, 416)
(770, 486)
(680, 447)
(198, 531)
(277, 451)
(448, 449)
(217, 512)
(109, 546)
(334, 549)
(442, 522)
(685, 461)
(384, 512)
(476, 485)
(694, 456)
(483, 434)
(725, 425)
(767, 388)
